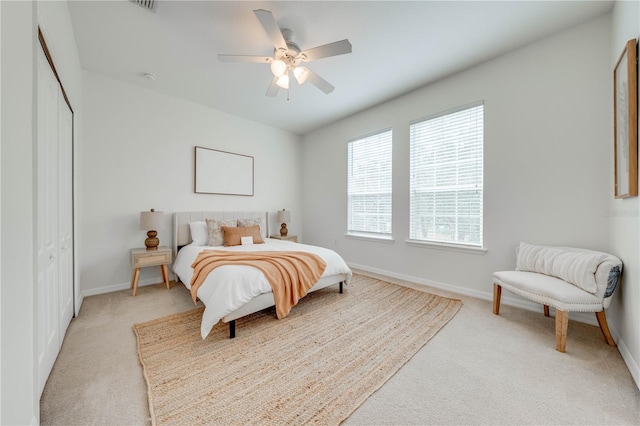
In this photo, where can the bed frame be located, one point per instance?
(182, 237)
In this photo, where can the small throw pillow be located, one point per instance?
(254, 221)
(233, 235)
(199, 233)
(214, 228)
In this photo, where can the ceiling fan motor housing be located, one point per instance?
(292, 55)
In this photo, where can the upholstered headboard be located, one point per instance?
(181, 220)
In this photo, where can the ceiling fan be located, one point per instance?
(287, 60)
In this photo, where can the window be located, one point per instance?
(369, 186)
(446, 177)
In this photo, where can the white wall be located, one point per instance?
(19, 401)
(18, 38)
(624, 224)
(137, 154)
(547, 125)
(548, 169)
(0, 216)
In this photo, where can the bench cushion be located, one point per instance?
(573, 267)
(548, 290)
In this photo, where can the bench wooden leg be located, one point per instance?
(562, 323)
(497, 294)
(546, 310)
(602, 321)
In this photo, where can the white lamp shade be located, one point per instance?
(151, 221)
(301, 74)
(278, 67)
(284, 216)
(283, 81)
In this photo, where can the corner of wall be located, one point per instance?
(624, 222)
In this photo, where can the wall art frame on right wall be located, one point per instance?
(625, 128)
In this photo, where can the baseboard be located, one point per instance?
(507, 299)
(416, 280)
(632, 365)
(515, 301)
(124, 286)
(78, 304)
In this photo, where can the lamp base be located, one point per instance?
(283, 230)
(152, 242)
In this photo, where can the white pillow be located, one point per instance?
(576, 268)
(199, 234)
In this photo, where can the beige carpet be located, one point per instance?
(315, 366)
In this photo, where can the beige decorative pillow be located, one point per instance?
(254, 221)
(233, 235)
(214, 228)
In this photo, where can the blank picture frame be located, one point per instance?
(222, 172)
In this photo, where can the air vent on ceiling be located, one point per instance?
(147, 4)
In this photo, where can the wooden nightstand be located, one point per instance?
(292, 238)
(141, 258)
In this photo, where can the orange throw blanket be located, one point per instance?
(290, 273)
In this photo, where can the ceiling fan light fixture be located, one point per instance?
(283, 81)
(301, 74)
(278, 67)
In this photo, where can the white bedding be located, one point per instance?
(222, 293)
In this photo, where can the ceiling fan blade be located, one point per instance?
(319, 82)
(332, 49)
(273, 88)
(271, 27)
(245, 58)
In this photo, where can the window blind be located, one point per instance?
(369, 185)
(446, 169)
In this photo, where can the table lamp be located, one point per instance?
(284, 216)
(151, 221)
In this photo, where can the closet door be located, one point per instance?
(54, 207)
(47, 221)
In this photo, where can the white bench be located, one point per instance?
(569, 279)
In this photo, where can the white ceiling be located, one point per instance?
(398, 46)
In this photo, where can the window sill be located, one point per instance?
(365, 237)
(447, 246)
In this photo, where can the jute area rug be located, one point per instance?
(317, 365)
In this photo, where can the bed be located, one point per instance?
(223, 298)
